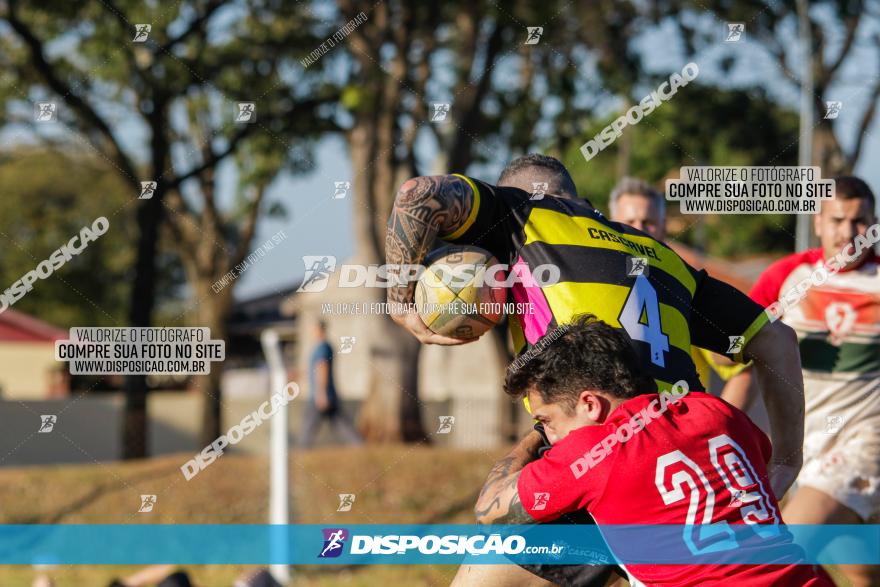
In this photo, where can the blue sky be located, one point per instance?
(316, 224)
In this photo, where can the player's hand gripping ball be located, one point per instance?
(461, 292)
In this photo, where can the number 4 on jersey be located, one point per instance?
(640, 317)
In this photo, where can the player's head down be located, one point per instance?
(579, 377)
(533, 168)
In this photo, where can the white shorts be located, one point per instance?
(842, 441)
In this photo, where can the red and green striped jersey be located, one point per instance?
(838, 322)
(662, 303)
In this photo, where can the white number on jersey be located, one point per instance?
(677, 477)
(642, 301)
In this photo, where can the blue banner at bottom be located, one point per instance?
(362, 544)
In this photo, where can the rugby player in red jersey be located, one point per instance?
(695, 460)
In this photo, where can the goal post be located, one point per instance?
(279, 508)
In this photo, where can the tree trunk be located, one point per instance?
(213, 313)
(212, 417)
(412, 427)
(143, 296)
(134, 421)
(511, 410)
(827, 152)
(392, 410)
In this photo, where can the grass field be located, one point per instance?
(393, 484)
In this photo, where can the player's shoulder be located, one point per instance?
(781, 268)
(636, 235)
(488, 190)
(612, 225)
(715, 414)
(525, 202)
(699, 407)
(710, 403)
(768, 285)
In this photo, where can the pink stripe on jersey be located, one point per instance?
(526, 290)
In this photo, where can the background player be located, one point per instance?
(838, 324)
(586, 384)
(664, 309)
(634, 202)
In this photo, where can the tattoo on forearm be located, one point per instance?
(499, 499)
(516, 513)
(497, 475)
(423, 208)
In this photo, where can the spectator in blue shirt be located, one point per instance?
(324, 402)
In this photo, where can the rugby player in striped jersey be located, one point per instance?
(663, 309)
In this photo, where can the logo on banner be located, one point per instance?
(334, 540)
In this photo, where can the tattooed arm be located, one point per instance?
(499, 500)
(424, 208)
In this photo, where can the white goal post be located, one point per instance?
(279, 511)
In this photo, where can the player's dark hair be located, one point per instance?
(559, 182)
(848, 187)
(584, 354)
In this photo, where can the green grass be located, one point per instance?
(393, 484)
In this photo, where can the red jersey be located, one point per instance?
(699, 461)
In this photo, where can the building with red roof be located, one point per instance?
(28, 369)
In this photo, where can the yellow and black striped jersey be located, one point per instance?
(625, 277)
